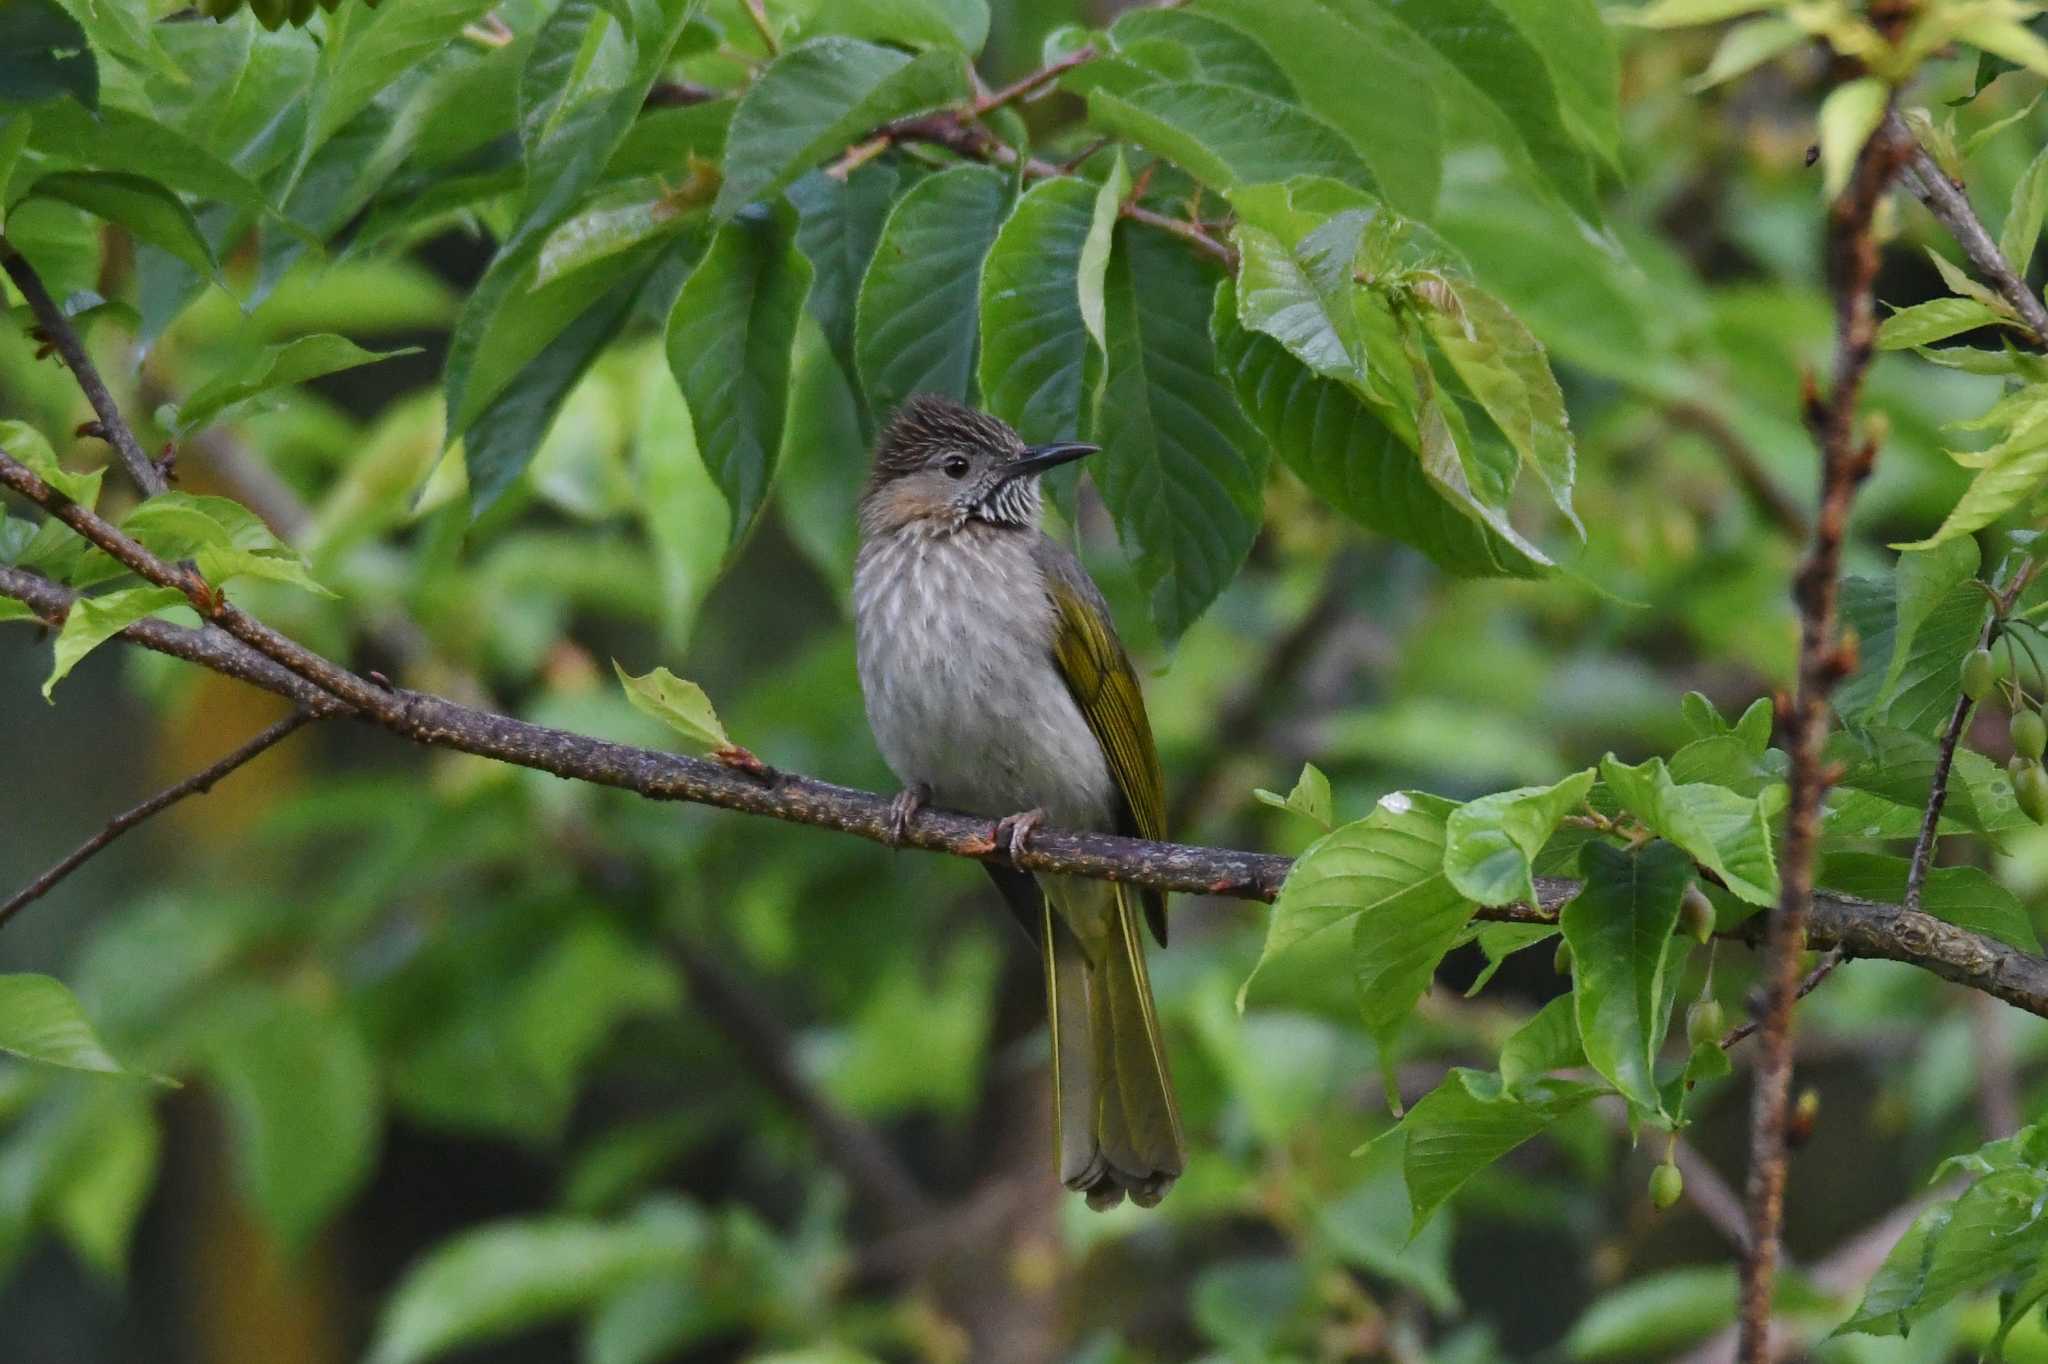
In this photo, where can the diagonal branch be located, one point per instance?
(197, 784)
(1846, 460)
(57, 327)
(1945, 199)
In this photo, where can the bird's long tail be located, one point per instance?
(1117, 1122)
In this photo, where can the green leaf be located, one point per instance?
(1924, 580)
(1226, 135)
(1726, 833)
(2008, 38)
(1923, 692)
(1322, 321)
(1349, 456)
(1969, 1244)
(1621, 927)
(1579, 52)
(1221, 53)
(274, 367)
(1655, 1316)
(680, 705)
(44, 55)
(1507, 370)
(1467, 1123)
(40, 1021)
(2014, 472)
(1093, 268)
(1323, 45)
(1310, 797)
(224, 538)
(1549, 1041)
(92, 621)
(729, 342)
(618, 220)
(1848, 117)
(916, 322)
(1747, 46)
(27, 446)
(1686, 13)
(117, 139)
(1498, 942)
(103, 1196)
(144, 207)
(958, 24)
(1181, 471)
(839, 223)
(1936, 320)
(1034, 341)
(376, 48)
(816, 100)
(679, 503)
(1493, 841)
(504, 1276)
(2023, 219)
(1967, 897)
(122, 29)
(301, 1091)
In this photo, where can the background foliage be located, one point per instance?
(532, 346)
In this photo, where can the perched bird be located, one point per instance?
(996, 685)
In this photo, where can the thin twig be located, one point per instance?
(197, 784)
(61, 334)
(1037, 80)
(1822, 969)
(1846, 460)
(1863, 928)
(1945, 758)
(1945, 199)
(762, 1040)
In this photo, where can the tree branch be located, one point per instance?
(1846, 460)
(1951, 207)
(61, 334)
(197, 784)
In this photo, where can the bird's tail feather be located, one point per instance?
(1118, 1122)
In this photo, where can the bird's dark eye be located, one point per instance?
(955, 466)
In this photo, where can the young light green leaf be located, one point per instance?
(1094, 264)
(1491, 843)
(1034, 343)
(1848, 116)
(916, 323)
(101, 1201)
(815, 100)
(1224, 135)
(1686, 13)
(1310, 797)
(1724, 832)
(1181, 471)
(1276, 296)
(1467, 1123)
(503, 1276)
(274, 367)
(92, 621)
(301, 1093)
(1622, 930)
(1747, 46)
(1935, 320)
(2009, 38)
(41, 1021)
(2023, 219)
(1547, 1042)
(27, 446)
(2016, 471)
(729, 341)
(680, 705)
(141, 205)
(1498, 942)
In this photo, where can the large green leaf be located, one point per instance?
(1981, 1240)
(274, 367)
(301, 1091)
(375, 47)
(1967, 897)
(1490, 855)
(1339, 445)
(1579, 52)
(839, 223)
(1034, 339)
(1323, 46)
(148, 210)
(40, 1021)
(1911, 685)
(1726, 833)
(2014, 471)
(120, 140)
(729, 342)
(1621, 927)
(819, 98)
(1221, 53)
(1181, 471)
(1467, 1123)
(958, 24)
(1226, 135)
(44, 55)
(916, 323)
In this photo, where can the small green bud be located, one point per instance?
(1704, 1023)
(2031, 786)
(1561, 962)
(1696, 913)
(1667, 1186)
(1979, 672)
(2029, 734)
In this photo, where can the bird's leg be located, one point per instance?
(1014, 831)
(903, 809)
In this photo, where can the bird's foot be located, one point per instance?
(1014, 831)
(903, 809)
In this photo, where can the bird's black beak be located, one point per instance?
(1038, 458)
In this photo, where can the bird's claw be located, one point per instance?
(1014, 831)
(903, 809)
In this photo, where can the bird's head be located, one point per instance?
(941, 465)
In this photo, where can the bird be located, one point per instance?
(995, 684)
